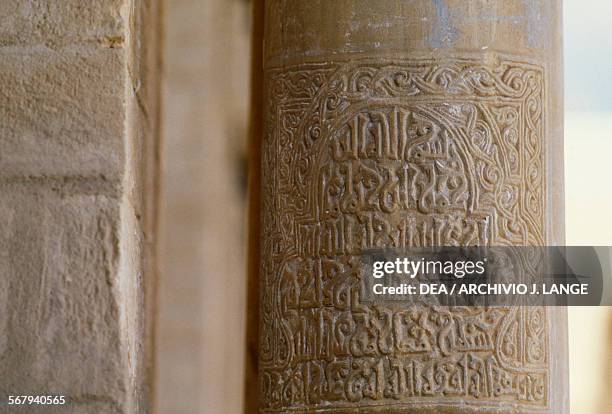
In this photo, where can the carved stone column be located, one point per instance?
(396, 123)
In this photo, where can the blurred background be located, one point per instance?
(588, 198)
(200, 336)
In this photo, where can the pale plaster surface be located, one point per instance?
(201, 338)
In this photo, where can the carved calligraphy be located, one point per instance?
(397, 154)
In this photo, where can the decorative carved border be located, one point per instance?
(397, 153)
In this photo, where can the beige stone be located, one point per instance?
(78, 178)
(63, 111)
(59, 23)
(61, 307)
(400, 124)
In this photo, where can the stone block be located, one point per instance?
(62, 112)
(57, 23)
(61, 300)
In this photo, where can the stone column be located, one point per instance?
(78, 162)
(394, 124)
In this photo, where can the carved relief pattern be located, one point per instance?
(397, 154)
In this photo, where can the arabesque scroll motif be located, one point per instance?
(363, 154)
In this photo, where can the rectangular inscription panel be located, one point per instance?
(399, 153)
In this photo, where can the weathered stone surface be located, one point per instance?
(60, 316)
(78, 178)
(56, 23)
(63, 111)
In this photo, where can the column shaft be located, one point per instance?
(396, 124)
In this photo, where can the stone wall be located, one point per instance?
(78, 145)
